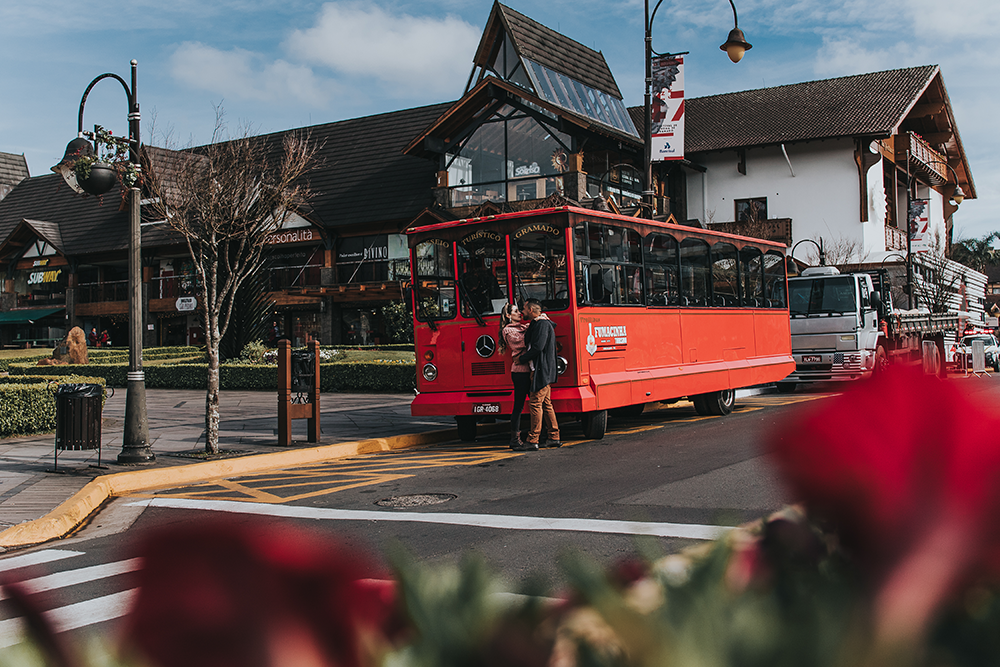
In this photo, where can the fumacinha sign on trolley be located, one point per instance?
(605, 337)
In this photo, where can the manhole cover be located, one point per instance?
(416, 500)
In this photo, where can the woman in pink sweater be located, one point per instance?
(512, 338)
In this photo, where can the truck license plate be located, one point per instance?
(486, 409)
(811, 359)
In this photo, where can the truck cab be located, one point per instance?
(835, 329)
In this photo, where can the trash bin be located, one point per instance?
(78, 418)
(303, 371)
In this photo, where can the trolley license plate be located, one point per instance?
(811, 359)
(486, 409)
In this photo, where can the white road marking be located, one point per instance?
(691, 531)
(36, 558)
(82, 575)
(72, 617)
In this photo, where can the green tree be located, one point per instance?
(976, 253)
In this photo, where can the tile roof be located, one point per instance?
(363, 176)
(558, 52)
(13, 168)
(865, 104)
(76, 225)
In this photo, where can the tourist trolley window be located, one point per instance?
(609, 265)
(482, 270)
(538, 256)
(434, 280)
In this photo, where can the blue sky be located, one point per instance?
(278, 65)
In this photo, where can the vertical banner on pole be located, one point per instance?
(919, 222)
(668, 108)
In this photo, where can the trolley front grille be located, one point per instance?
(488, 368)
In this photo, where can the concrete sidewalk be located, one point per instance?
(30, 490)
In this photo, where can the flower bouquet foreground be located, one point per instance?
(891, 559)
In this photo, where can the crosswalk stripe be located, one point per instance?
(74, 616)
(36, 558)
(82, 575)
(683, 530)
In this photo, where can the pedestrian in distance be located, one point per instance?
(92, 338)
(540, 340)
(512, 328)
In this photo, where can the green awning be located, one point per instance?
(23, 316)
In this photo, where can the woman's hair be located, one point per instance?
(504, 321)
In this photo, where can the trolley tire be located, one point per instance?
(595, 424)
(700, 405)
(628, 411)
(786, 387)
(466, 428)
(721, 403)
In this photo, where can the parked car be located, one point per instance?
(963, 352)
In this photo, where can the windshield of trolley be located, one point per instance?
(482, 272)
(822, 296)
(538, 266)
(434, 280)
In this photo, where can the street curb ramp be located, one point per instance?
(74, 511)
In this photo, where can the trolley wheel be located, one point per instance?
(721, 402)
(700, 404)
(595, 424)
(786, 387)
(628, 411)
(466, 428)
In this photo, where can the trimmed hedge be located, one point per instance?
(334, 376)
(28, 402)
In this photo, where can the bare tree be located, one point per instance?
(225, 199)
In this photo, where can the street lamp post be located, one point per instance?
(135, 442)
(735, 46)
(819, 246)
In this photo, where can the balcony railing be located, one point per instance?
(895, 239)
(927, 161)
(110, 290)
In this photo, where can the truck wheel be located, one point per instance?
(785, 387)
(881, 361)
(595, 424)
(700, 405)
(721, 402)
(466, 428)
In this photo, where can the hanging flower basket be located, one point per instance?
(98, 179)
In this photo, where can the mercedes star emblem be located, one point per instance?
(485, 346)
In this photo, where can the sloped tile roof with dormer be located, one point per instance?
(872, 104)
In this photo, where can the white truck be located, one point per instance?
(844, 327)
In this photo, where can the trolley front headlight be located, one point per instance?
(430, 372)
(561, 365)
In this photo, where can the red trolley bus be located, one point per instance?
(650, 312)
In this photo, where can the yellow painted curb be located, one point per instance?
(87, 500)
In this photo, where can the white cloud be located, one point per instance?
(412, 54)
(241, 74)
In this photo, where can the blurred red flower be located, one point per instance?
(907, 469)
(216, 593)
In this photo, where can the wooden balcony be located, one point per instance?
(924, 160)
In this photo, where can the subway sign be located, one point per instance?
(42, 277)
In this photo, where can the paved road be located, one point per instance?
(670, 473)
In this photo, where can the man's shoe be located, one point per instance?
(526, 447)
(552, 443)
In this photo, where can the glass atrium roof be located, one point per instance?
(581, 99)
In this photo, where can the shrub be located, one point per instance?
(28, 402)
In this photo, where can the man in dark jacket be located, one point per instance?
(540, 341)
